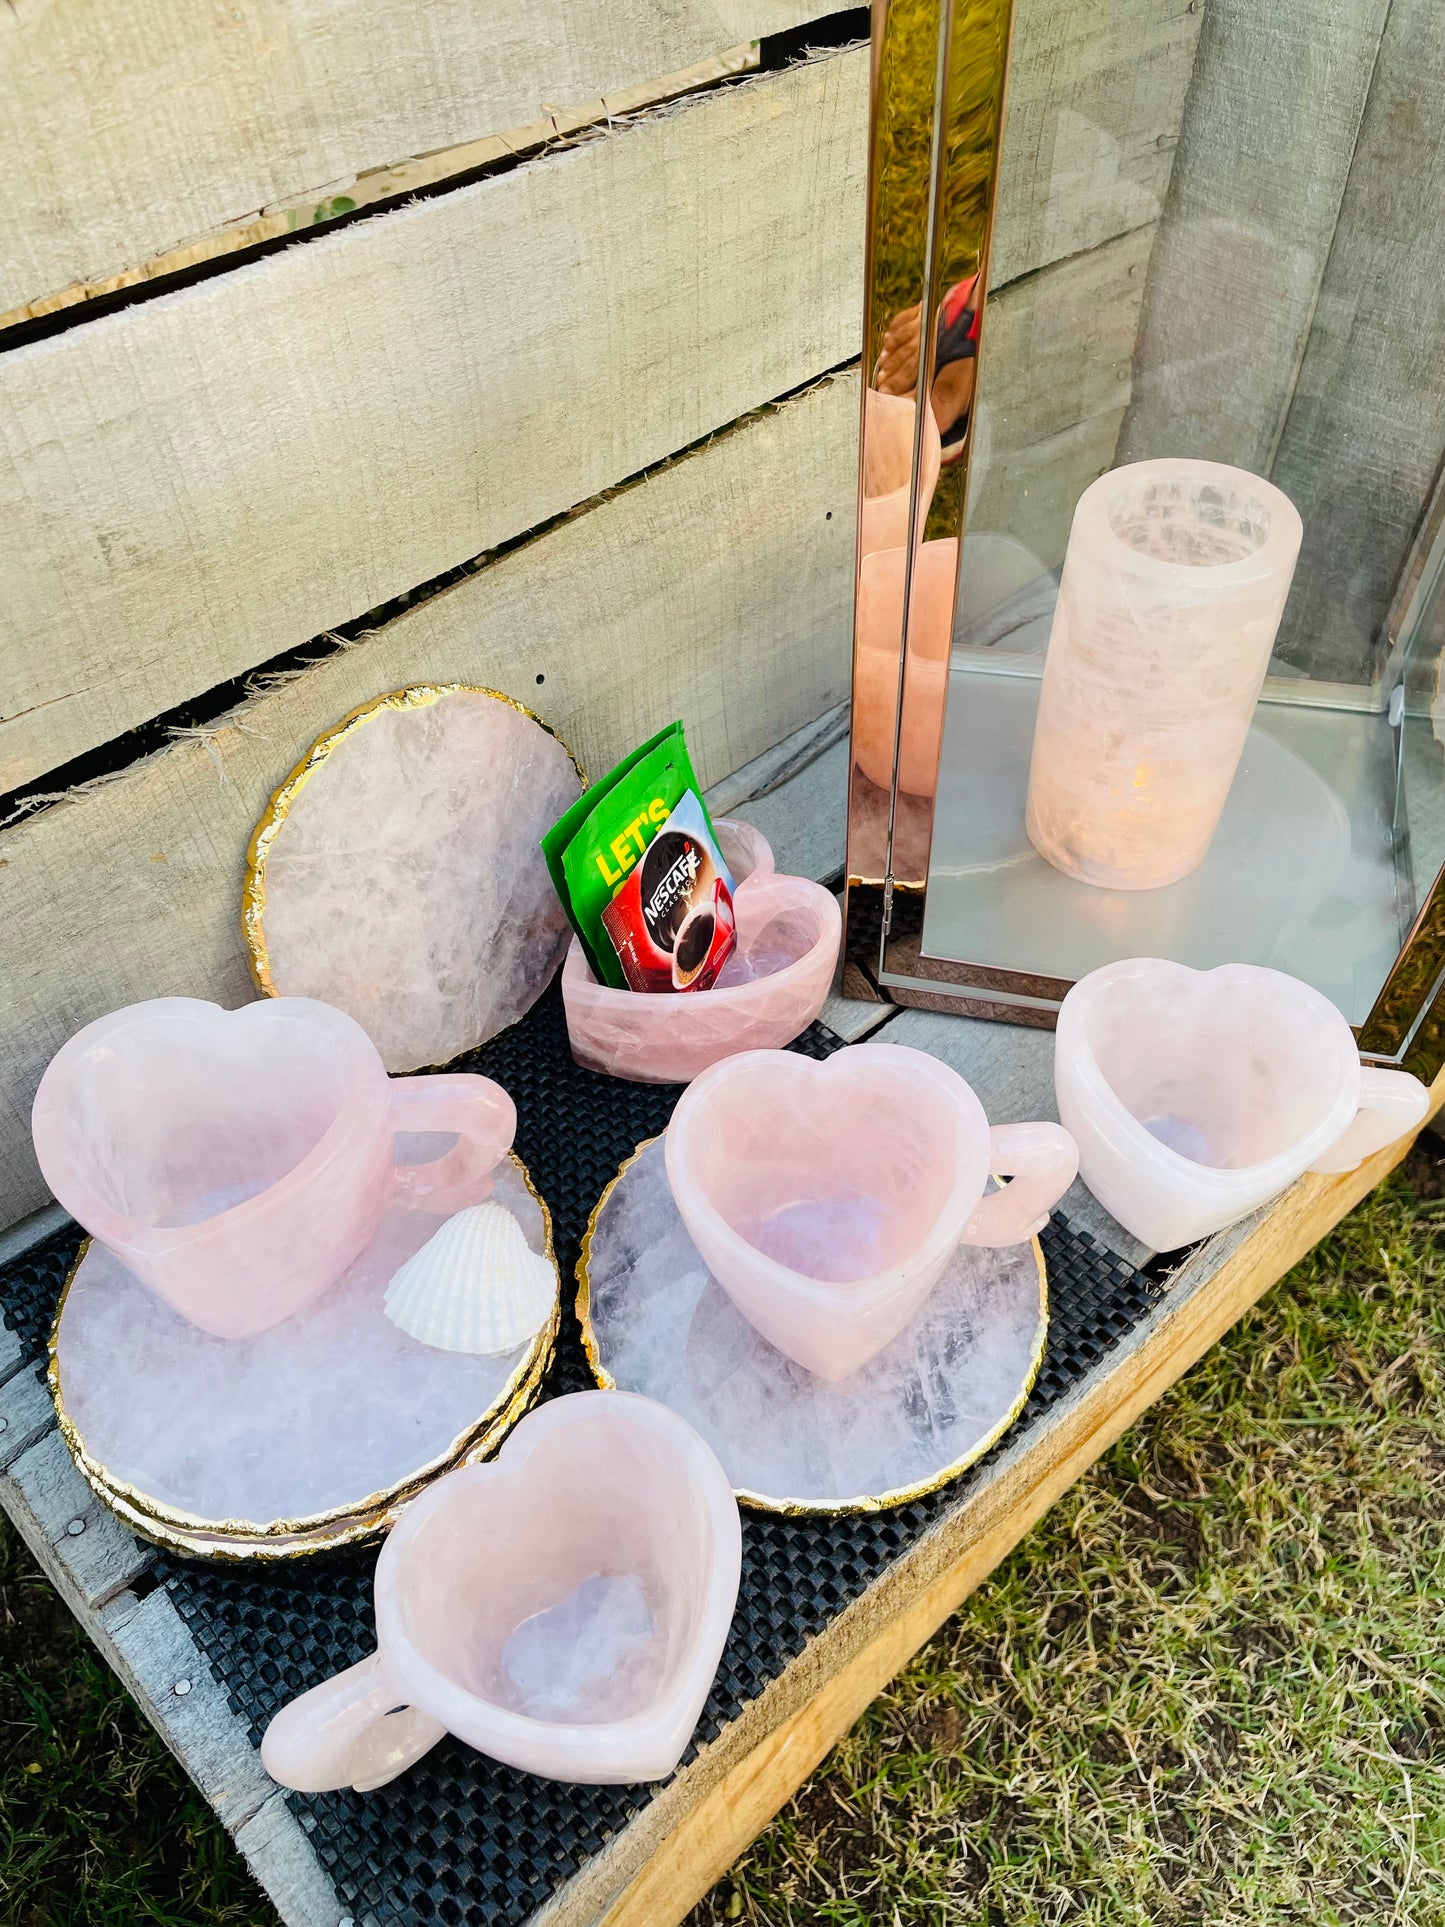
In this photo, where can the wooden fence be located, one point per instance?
(519, 346)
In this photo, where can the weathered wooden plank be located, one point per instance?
(1365, 437)
(100, 1556)
(1011, 1067)
(1096, 97)
(128, 130)
(632, 617)
(278, 1852)
(17, 1239)
(654, 1870)
(155, 1655)
(1264, 151)
(110, 174)
(1057, 348)
(26, 1414)
(786, 760)
(145, 1642)
(853, 1019)
(376, 186)
(195, 485)
(1036, 489)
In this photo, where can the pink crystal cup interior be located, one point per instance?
(562, 1609)
(237, 1161)
(827, 1198)
(769, 990)
(1197, 1095)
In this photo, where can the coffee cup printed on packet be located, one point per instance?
(671, 924)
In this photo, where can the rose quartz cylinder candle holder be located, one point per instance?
(827, 1198)
(237, 1161)
(1173, 586)
(1197, 1095)
(770, 989)
(562, 1609)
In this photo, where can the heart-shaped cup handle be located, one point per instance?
(481, 1114)
(1042, 1160)
(352, 1730)
(1392, 1103)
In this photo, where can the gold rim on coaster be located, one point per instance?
(416, 696)
(188, 1533)
(814, 1508)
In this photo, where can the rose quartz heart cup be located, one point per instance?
(768, 992)
(1197, 1095)
(237, 1161)
(827, 1198)
(562, 1609)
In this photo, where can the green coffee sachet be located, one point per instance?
(591, 850)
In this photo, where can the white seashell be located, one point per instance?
(475, 1286)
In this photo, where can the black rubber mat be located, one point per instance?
(459, 1839)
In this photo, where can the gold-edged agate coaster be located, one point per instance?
(918, 1414)
(398, 874)
(309, 1436)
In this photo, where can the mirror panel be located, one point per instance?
(1234, 756)
(939, 68)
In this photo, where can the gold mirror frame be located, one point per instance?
(937, 97)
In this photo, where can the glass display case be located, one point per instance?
(1154, 497)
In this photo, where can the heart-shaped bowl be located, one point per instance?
(768, 992)
(1195, 1095)
(562, 1609)
(826, 1198)
(743, 847)
(235, 1160)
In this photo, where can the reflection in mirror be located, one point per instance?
(1174, 690)
(938, 72)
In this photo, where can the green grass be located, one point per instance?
(1209, 1688)
(98, 1825)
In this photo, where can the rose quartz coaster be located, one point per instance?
(398, 871)
(308, 1434)
(913, 1417)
